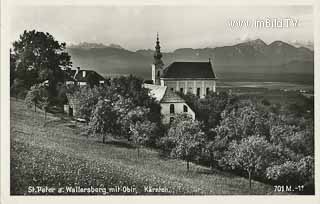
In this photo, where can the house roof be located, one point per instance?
(171, 97)
(156, 91)
(163, 94)
(81, 77)
(201, 70)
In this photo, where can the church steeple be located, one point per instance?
(157, 54)
(157, 66)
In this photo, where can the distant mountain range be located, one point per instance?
(252, 57)
(86, 45)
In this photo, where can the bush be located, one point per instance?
(293, 173)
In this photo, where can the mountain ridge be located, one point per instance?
(253, 56)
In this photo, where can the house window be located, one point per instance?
(207, 90)
(171, 108)
(158, 74)
(171, 89)
(198, 91)
(171, 119)
(181, 90)
(185, 108)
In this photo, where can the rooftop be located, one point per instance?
(199, 70)
(163, 94)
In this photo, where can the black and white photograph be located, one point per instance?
(161, 100)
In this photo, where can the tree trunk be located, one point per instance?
(45, 115)
(212, 161)
(249, 172)
(35, 107)
(187, 165)
(138, 152)
(103, 138)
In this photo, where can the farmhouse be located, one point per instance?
(184, 77)
(81, 78)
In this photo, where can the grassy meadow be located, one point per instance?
(57, 153)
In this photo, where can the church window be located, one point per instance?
(198, 91)
(207, 90)
(171, 108)
(185, 108)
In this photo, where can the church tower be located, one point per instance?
(157, 66)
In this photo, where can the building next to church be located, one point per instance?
(184, 77)
(171, 103)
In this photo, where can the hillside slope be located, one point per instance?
(55, 154)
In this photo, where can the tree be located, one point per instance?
(86, 98)
(188, 138)
(251, 154)
(38, 96)
(243, 120)
(142, 132)
(103, 119)
(122, 106)
(18, 89)
(39, 57)
(214, 104)
(33, 97)
(131, 87)
(44, 104)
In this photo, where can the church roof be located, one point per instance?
(193, 70)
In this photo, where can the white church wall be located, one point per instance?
(190, 86)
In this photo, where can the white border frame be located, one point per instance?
(5, 109)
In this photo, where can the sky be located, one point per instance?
(135, 27)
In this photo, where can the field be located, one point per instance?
(56, 153)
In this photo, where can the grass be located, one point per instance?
(56, 153)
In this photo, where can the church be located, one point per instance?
(184, 77)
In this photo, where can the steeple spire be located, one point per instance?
(157, 54)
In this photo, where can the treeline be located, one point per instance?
(37, 59)
(251, 136)
(248, 136)
(121, 108)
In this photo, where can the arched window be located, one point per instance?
(185, 108)
(171, 108)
